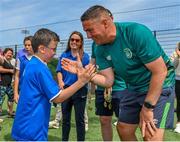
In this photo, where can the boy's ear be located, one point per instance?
(41, 49)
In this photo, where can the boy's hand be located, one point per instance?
(85, 74)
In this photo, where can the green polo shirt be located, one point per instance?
(119, 83)
(133, 47)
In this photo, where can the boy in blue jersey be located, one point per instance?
(130, 51)
(39, 89)
(20, 65)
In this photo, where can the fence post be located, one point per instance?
(15, 50)
(154, 32)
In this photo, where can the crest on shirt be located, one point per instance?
(128, 53)
(108, 58)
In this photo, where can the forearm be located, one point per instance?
(103, 81)
(16, 85)
(155, 88)
(3, 70)
(68, 92)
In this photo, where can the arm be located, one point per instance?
(60, 80)
(104, 78)
(159, 72)
(84, 75)
(175, 57)
(16, 86)
(3, 70)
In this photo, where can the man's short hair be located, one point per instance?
(43, 37)
(95, 12)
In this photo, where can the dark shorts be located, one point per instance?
(132, 102)
(101, 110)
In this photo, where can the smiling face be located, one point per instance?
(75, 42)
(8, 54)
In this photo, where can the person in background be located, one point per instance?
(22, 61)
(39, 89)
(27, 45)
(107, 101)
(6, 72)
(175, 58)
(75, 52)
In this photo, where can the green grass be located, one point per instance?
(93, 134)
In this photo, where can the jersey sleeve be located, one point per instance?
(48, 84)
(102, 61)
(144, 44)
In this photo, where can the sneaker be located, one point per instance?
(11, 115)
(54, 124)
(115, 123)
(1, 120)
(177, 129)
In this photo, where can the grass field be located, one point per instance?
(93, 134)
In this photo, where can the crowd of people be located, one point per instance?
(129, 72)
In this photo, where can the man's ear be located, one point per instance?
(41, 49)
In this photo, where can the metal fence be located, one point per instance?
(167, 39)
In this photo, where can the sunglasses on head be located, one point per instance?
(73, 39)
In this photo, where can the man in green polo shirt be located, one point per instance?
(130, 51)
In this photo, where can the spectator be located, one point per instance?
(74, 51)
(22, 61)
(175, 58)
(7, 71)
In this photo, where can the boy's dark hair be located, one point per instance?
(27, 38)
(94, 12)
(6, 50)
(43, 37)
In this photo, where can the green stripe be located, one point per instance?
(165, 113)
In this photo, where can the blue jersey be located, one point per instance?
(68, 77)
(23, 62)
(33, 109)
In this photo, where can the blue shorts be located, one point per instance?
(132, 102)
(101, 110)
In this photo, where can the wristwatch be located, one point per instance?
(148, 105)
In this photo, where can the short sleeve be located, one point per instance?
(144, 43)
(48, 84)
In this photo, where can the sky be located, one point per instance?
(17, 15)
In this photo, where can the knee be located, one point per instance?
(125, 130)
(105, 120)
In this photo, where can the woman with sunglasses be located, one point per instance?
(74, 51)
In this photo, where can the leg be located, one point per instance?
(2, 97)
(66, 115)
(86, 119)
(127, 131)
(106, 128)
(9, 92)
(79, 107)
(105, 116)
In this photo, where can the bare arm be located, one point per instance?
(3, 70)
(60, 80)
(104, 78)
(159, 72)
(84, 75)
(16, 86)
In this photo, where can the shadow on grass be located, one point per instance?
(7, 137)
(53, 138)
